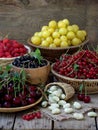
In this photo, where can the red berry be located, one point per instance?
(38, 114)
(27, 117)
(24, 117)
(87, 99)
(5, 40)
(81, 97)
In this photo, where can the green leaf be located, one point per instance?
(76, 67)
(23, 75)
(8, 67)
(37, 55)
(0, 68)
(81, 87)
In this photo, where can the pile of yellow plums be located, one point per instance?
(59, 34)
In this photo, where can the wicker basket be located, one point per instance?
(53, 53)
(5, 61)
(91, 85)
(67, 89)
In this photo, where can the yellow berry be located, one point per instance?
(56, 35)
(52, 46)
(49, 39)
(70, 28)
(75, 28)
(63, 38)
(63, 31)
(45, 34)
(44, 28)
(76, 41)
(44, 43)
(61, 24)
(51, 30)
(70, 35)
(66, 21)
(57, 42)
(80, 35)
(64, 44)
(36, 40)
(53, 24)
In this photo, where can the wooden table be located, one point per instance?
(14, 121)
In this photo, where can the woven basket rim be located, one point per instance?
(71, 79)
(28, 48)
(58, 48)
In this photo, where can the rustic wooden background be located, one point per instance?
(21, 18)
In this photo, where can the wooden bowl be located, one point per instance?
(54, 53)
(91, 85)
(5, 61)
(36, 75)
(17, 109)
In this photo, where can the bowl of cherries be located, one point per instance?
(79, 68)
(36, 67)
(10, 49)
(16, 94)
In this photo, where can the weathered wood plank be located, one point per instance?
(87, 124)
(21, 23)
(36, 124)
(6, 121)
(92, 20)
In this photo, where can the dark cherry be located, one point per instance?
(87, 99)
(8, 97)
(80, 97)
(22, 95)
(38, 94)
(24, 102)
(33, 94)
(0, 105)
(16, 101)
(7, 104)
(30, 100)
(10, 89)
(32, 88)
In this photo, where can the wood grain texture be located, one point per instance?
(22, 24)
(6, 121)
(87, 124)
(36, 124)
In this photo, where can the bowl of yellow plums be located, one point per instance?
(58, 37)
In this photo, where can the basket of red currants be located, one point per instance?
(79, 69)
(10, 49)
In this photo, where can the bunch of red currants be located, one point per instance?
(32, 115)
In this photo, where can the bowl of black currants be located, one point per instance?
(36, 67)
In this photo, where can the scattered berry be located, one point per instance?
(81, 97)
(87, 99)
(32, 115)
